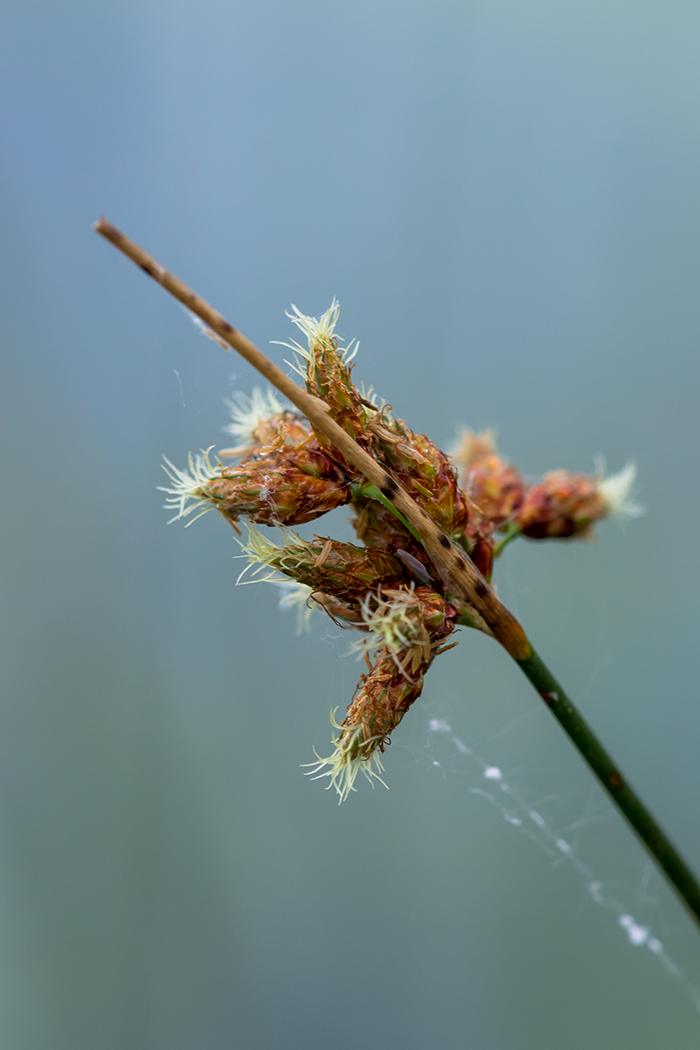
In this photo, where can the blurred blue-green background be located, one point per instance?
(504, 197)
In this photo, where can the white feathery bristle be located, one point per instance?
(296, 595)
(388, 624)
(248, 411)
(263, 559)
(318, 330)
(261, 554)
(618, 491)
(264, 556)
(321, 329)
(347, 761)
(188, 491)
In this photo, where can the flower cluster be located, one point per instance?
(384, 587)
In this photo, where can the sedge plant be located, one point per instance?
(429, 528)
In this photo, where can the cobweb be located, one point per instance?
(498, 770)
(557, 823)
(489, 783)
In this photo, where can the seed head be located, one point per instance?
(408, 628)
(386, 589)
(495, 486)
(341, 569)
(561, 505)
(326, 366)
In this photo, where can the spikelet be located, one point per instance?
(408, 628)
(325, 366)
(341, 569)
(561, 505)
(493, 485)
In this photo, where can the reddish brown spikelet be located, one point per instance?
(495, 486)
(328, 373)
(425, 472)
(328, 377)
(346, 571)
(415, 625)
(340, 570)
(479, 541)
(429, 477)
(497, 489)
(284, 483)
(393, 683)
(562, 504)
(282, 430)
(396, 679)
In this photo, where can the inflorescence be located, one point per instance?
(384, 587)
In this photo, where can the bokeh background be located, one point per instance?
(504, 197)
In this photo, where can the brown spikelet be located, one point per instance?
(561, 505)
(416, 624)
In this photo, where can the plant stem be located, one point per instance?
(508, 534)
(460, 577)
(620, 791)
(368, 491)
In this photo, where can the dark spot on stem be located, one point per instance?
(147, 268)
(444, 540)
(615, 780)
(481, 589)
(226, 327)
(387, 493)
(461, 562)
(390, 483)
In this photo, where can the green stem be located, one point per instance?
(624, 797)
(508, 534)
(367, 490)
